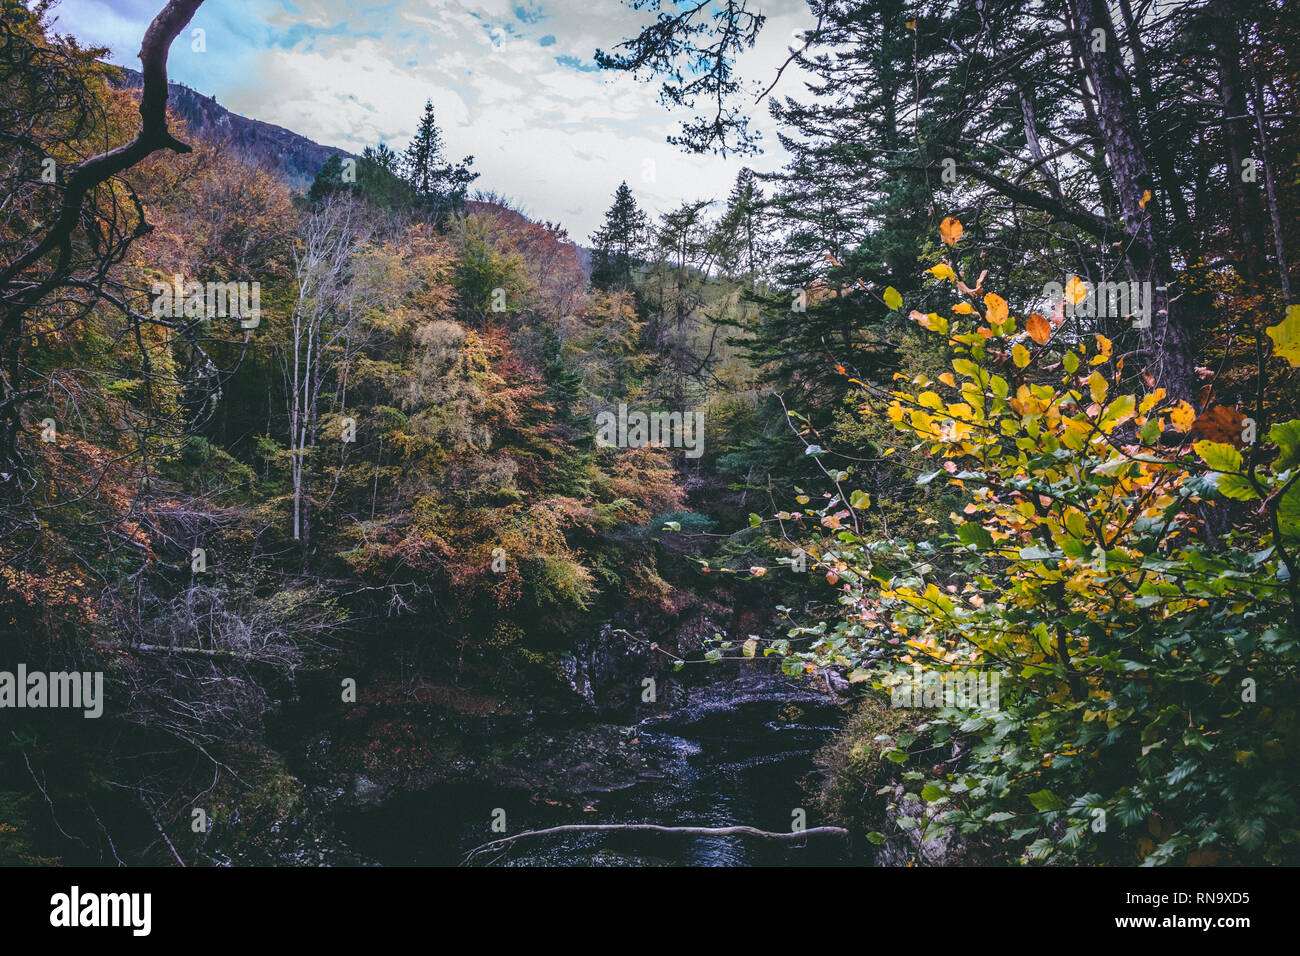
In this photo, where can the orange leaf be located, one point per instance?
(1075, 290)
(997, 308)
(1221, 424)
(950, 230)
(1040, 330)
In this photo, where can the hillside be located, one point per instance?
(295, 157)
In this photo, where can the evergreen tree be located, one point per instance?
(441, 185)
(738, 243)
(378, 178)
(619, 246)
(328, 181)
(424, 154)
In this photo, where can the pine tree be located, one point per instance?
(619, 246)
(328, 181)
(738, 242)
(441, 185)
(423, 156)
(378, 178)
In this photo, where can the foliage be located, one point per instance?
(1148, 669)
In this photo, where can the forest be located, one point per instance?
(933, 499)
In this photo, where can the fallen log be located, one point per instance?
(654, 828)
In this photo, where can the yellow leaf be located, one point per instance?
(933, 321)
(1146, 198)
(950, 230)
(1020, 355)
(962, 308)
(1151, 401)
(1286, 336)
(942, 271)
(948, 380)
(1075, 291)
(997, 308)
(1097, 385)
(1074, 432)
(1104, 345)
(1183, 417)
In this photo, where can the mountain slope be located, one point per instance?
(294, 157)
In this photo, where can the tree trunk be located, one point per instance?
(1168, 338)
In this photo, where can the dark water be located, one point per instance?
(736, 750)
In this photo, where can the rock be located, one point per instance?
(367, 792)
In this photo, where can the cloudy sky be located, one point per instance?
(512, 83)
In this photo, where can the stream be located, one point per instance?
(734, 746)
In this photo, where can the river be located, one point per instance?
(732, 744)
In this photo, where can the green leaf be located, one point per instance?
(875, 837)
(1046, 800)
(893, 299)
(1237, 486)
(932, 792)
(1043, 637)
(1219, 456)
(976, 534)
(1035, 553)
(1118, 409)
(750, 647)
(860, 500)
(1288, 514)
(1286, 435)
(754, 520)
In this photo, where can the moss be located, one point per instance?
(16, 831)
(854, 767)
